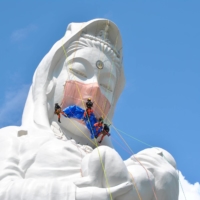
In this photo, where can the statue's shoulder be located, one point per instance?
(21, 134)
(17, 139)
(9, 131)
(9, 144)
(12, 133)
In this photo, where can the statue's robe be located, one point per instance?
(37, 167)
(45, 168)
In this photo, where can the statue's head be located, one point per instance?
(85, 63)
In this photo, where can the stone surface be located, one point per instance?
(45, 160)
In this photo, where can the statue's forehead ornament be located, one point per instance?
(99, 64)
(102, 37)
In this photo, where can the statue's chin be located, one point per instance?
(73, 129)
(76, 130)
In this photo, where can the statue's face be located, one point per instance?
(87, 73)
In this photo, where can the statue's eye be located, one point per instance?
(74, 71)
(99, 64)
(79, 69)
(108, 88)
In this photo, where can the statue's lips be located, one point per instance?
(76, 93)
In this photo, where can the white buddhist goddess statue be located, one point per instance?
(46, 160)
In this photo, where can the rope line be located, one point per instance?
(121, 146)
(82, 131)
(95, 94)
(133, 156)
(95, 139)
(104, 106)
(151, 147)
(72, 61)
(96, 146)
(181, 186)
(134, 138)
(117, 130)
(135, 186)
(178, 178)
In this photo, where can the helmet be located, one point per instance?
(57, 106)
(100, 119)
(106, 128)
(89, 103)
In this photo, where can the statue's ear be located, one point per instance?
(51, 88)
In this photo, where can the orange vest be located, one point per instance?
(88, 111)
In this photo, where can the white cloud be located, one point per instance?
(21, 34)
(191, 191)
(12, 108)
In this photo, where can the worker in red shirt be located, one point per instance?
(98, 127)
(89, 110)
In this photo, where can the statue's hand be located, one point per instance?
(103, 193)
(102, 159)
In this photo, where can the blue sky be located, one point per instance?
(160, 104)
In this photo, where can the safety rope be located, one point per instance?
(72, 61)
(116, 131)
(121, 146)
(137, 158)
(153, 147)
(118, 134)
(91, 129)
(102, 162)
(90, 125)
(134, 138)
(178, 177)
(135, 186)
(93, 133)
(133, 156)
(104, 106)
(162, 156)
(98, 73)
(181, 186)
(100, 157)
(96, 146)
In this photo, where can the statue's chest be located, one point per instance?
(56, 159)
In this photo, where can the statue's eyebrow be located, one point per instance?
(106, 87)
(78, 59)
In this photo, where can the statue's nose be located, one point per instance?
(94, 76)
(95, 80)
